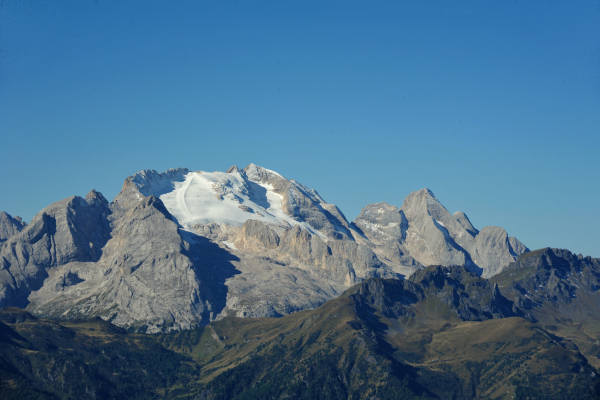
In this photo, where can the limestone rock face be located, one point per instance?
(424, 230)
(144, 278)
(74, 229)
(302, 203)
(9, 225)
(156, 266)
(385, 227)
(434, 236)
(494, 250)
(181, 248)
(291, 247)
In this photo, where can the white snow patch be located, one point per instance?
(230, 245)
(225, 198)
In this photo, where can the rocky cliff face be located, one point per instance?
(424, 232)
(144, 278)
(181, 248)
(69, 230)
(9, 226)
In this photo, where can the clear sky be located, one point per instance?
(493, 105)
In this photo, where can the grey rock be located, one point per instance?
(9, 225)
(303, 203)
(74, 229)
(465, 222)
(467, 296)
(258, 235)
(337, 262)
(133, 263)
(423, 230)
(385, 228)
(148, 277)
(149, 182)
(493, 250)
(381, 222)
(267, 287)
(434, 237)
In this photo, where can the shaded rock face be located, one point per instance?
(559, 290)
(464, 294)
(150, 277)
(69, 230)
(303, 203)
(9, 225)
(424, 231)
(293, 249)
(494, 249)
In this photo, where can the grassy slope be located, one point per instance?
(397, 345)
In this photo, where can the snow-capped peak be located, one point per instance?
(230, 198)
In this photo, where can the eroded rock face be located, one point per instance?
(144, 278)
(158, 273)
(494, 250)
(9, 226)
(74, 229)
(425, 231)
(177, 249)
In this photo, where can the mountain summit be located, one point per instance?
(181, 248)
(424, 229)
(238, 195)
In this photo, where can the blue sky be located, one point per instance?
(495, 106)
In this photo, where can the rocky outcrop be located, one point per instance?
(74, 229)
(454, 290)
(553, 277)
(494, 250)
(9, 226)
(154, 276)
(303, 203)
(307, 267)
(144, 278)
(424, 231)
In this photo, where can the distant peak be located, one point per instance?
(424, 197)
(6, 216)
(147, 173)
(378, 208)
(232, 169)
(9, 225)
(258, 173)
(382, 204)
(425, 192)
(94, 194)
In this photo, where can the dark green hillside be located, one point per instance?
(561, 292)
(94, 359)
(444, 333)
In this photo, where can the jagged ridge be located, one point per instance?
(182, 248)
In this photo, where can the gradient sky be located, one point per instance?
(493, 105)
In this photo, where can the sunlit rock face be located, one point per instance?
(425, 231)
(181, 248)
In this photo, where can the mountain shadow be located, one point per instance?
(212, 266)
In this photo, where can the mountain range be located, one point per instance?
(443, 333)
(245, 284)
(179, 249)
